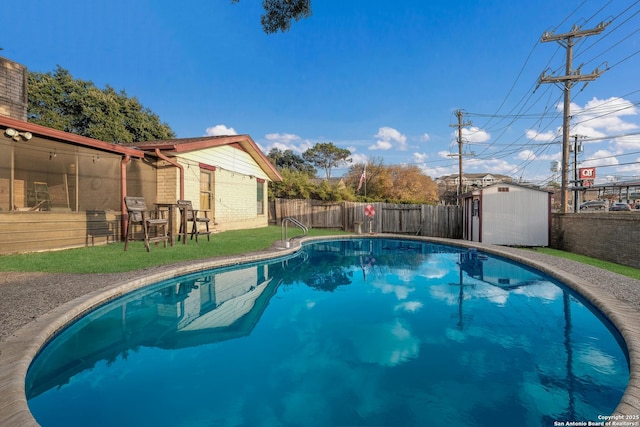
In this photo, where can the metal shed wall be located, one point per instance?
(518, 216)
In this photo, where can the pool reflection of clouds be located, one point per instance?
(544, 290)
(448, 294)
(401, 291)
(385, 344)
(596, 359)
(409, 306)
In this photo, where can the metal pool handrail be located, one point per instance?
(284, 229)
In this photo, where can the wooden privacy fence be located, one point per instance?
(422, 220)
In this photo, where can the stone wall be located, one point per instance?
(611, 236)
(13, 90)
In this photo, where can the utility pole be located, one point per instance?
(567, 40)
(460, 125)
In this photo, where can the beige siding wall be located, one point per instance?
(229, 158)
(191, 182)
(235, 201)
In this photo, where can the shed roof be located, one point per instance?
(68, 137)
(503, 184)
(183, 145)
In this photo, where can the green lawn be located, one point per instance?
(605, 265)
(113, 259)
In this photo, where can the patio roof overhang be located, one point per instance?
(67, 137)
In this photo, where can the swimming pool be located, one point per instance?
(356, 332)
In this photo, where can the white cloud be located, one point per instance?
(530, 155)
(624, 143)
(600, 158)
(491, 165)
(420, 157)
(381, 145)
(389, 138)
(358, 158)
(438, 171)
(473, 135)
(548, 136)
(285, 141)
(605, 114)
(425, 137)
(219, 130)
(284, 138)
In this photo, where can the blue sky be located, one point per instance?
(381, 78)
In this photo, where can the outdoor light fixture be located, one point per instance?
(15, 135)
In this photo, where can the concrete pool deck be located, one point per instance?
(34, 306)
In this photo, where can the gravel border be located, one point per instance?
(36, 305)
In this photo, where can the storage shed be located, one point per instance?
(507, 214)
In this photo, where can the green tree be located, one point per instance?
(294, 185)
(59, 101)
(327, 192)
(327, 156)
(278, 14)
(287, 159)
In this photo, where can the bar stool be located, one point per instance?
(186, 208)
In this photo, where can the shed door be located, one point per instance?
(475, 221)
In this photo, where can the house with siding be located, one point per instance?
(61, 190)
(225, 177)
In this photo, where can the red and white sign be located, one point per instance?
(587, 175)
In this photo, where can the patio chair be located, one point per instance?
(186, 208)
(140, 215)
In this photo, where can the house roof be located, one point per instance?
(183, 145)
(50, 133)
(474, 176)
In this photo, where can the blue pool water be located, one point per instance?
(370, 332)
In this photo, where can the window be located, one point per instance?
(260, 196)
(503, 189)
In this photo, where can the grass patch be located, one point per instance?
(112, 258)
(605, 265)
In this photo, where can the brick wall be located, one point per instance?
(168, 182)
(13, 90)
(613, 237)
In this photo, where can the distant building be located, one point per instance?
(471, 180)
(448, 184)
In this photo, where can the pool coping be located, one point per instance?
(22, 346)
